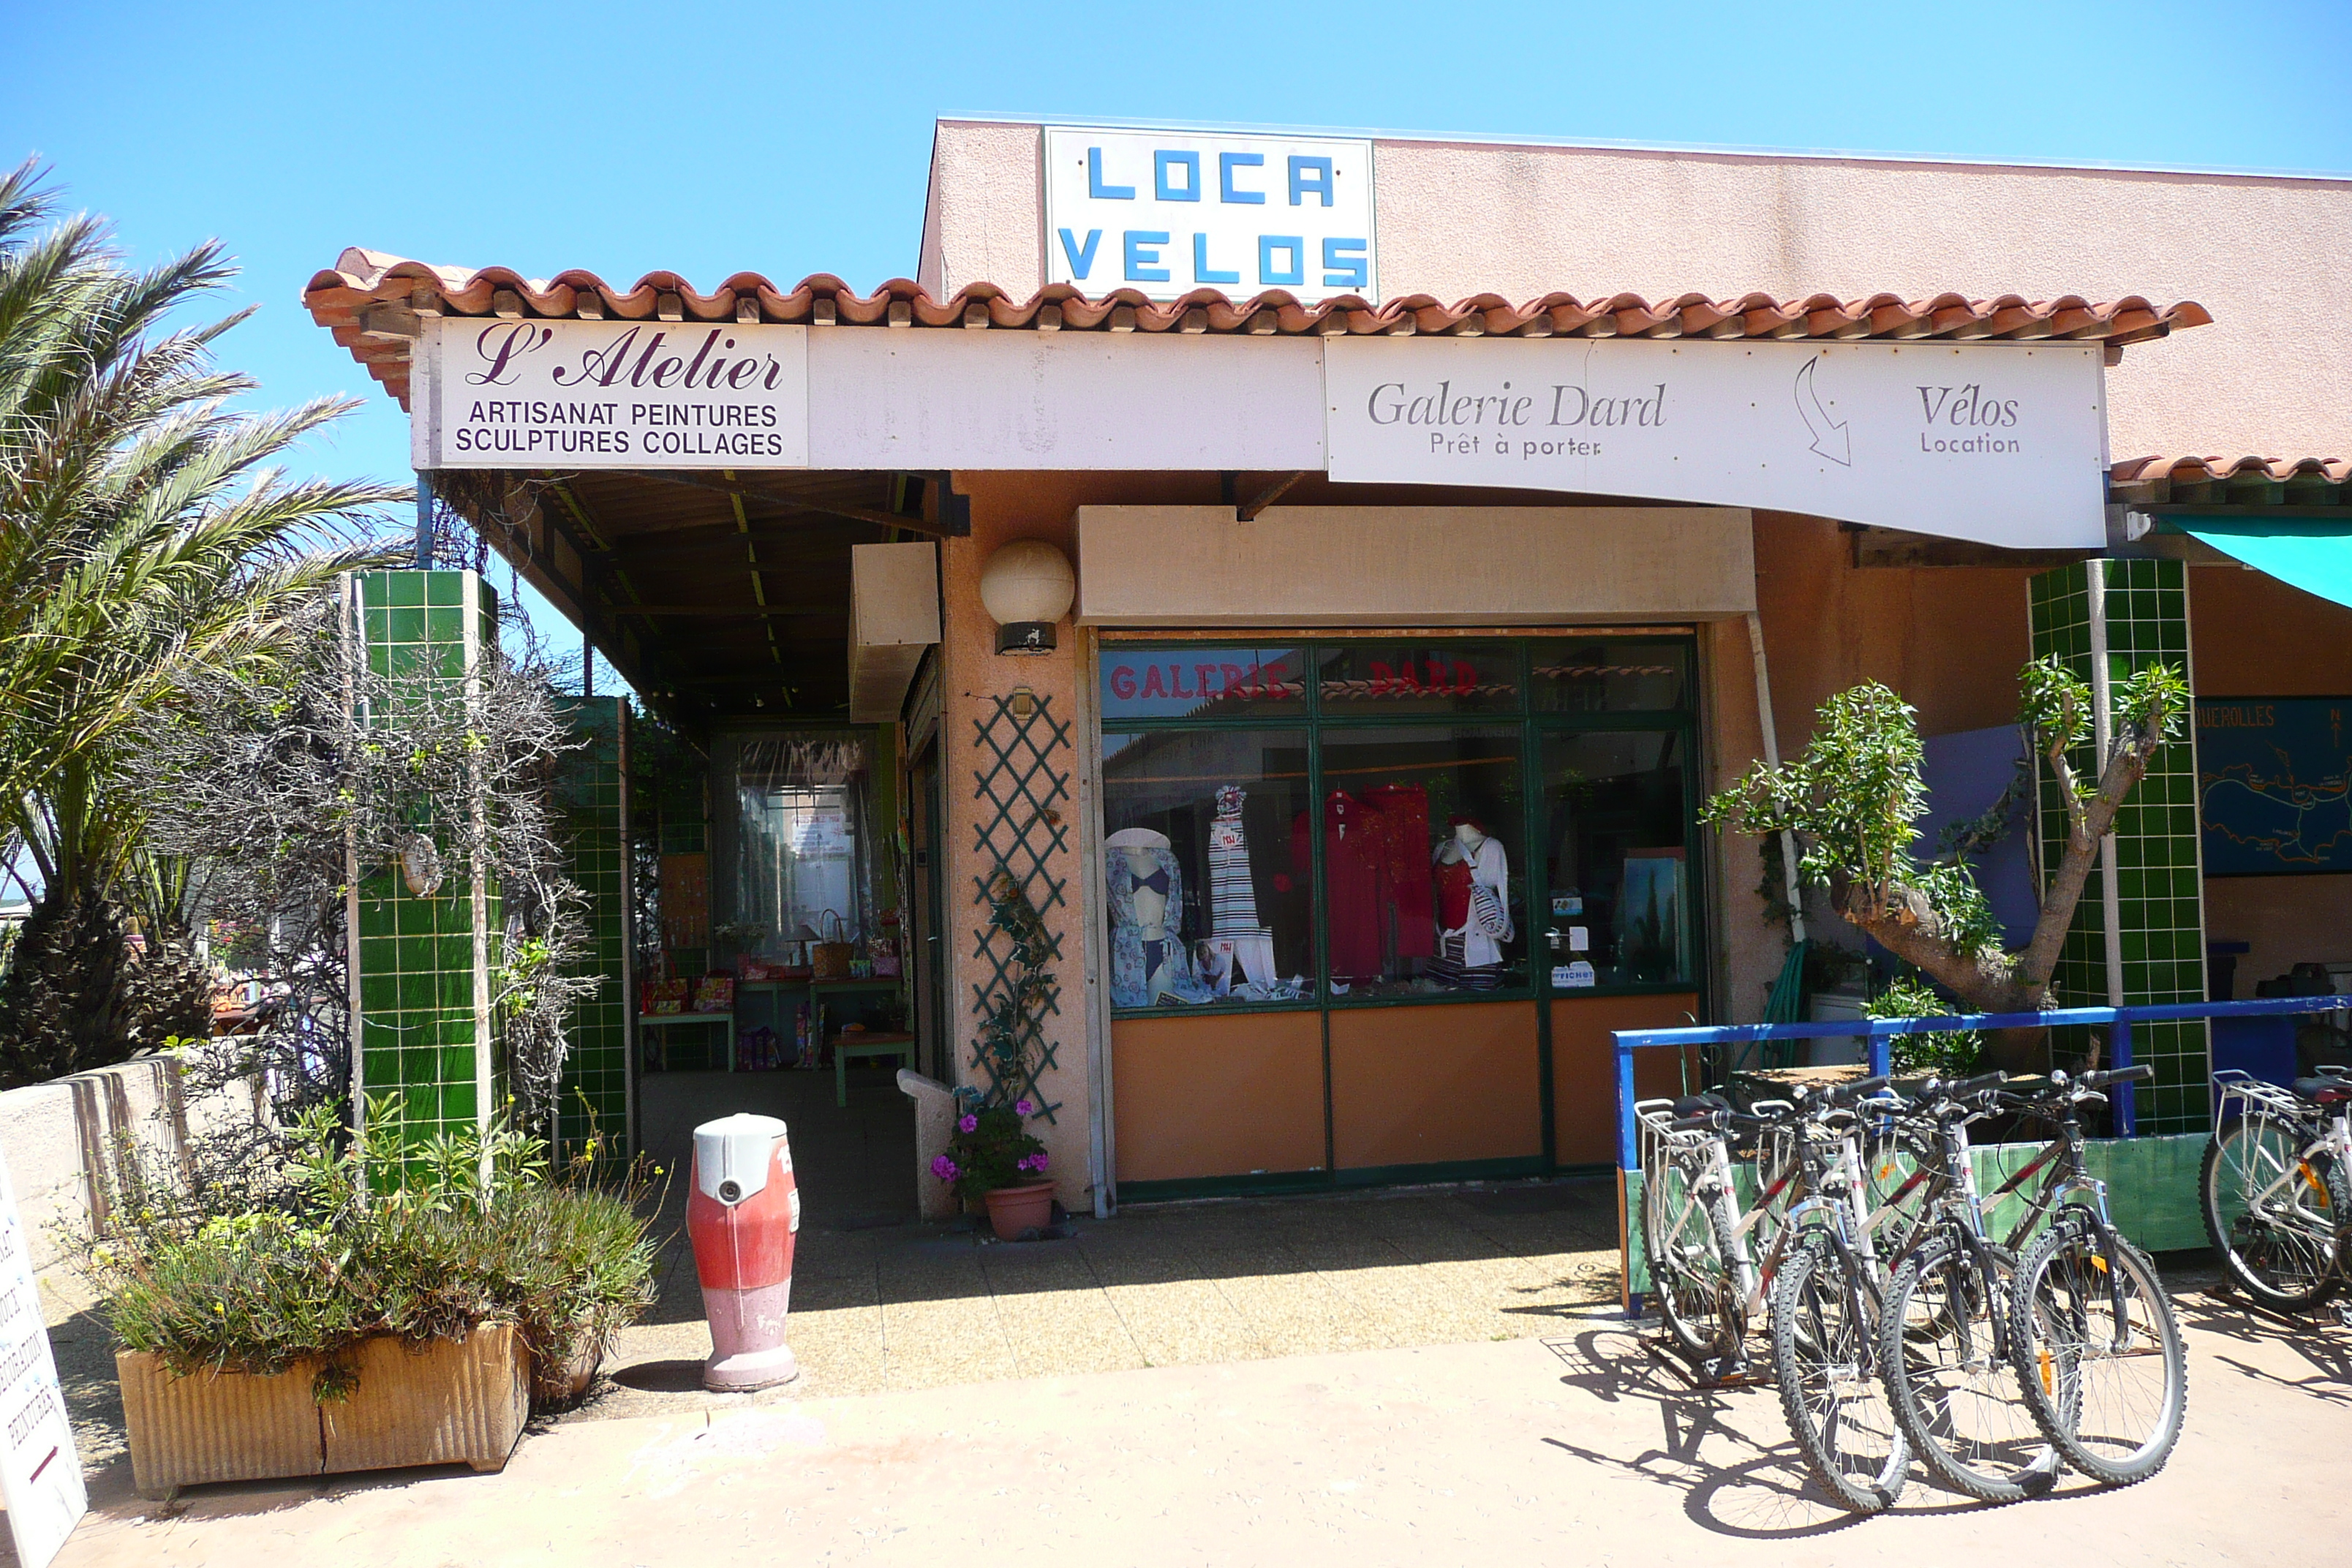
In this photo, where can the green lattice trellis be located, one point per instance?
(1022, 794)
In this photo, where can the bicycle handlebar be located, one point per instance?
(1860, 1089)
(1973, 1086)
(2138, 1072)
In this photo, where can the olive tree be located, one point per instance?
(1854, 795)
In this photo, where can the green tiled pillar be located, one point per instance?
(2151, 948)
(596, 1092)
(421, 969)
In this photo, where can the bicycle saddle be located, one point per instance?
(2324, 1091)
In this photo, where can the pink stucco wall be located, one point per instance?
(2268, 257)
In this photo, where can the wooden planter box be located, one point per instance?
(444, 1402)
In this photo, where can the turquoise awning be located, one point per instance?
(2313, 556)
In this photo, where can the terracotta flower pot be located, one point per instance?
(1013, 1210)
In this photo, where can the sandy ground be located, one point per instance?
(1580, 1444)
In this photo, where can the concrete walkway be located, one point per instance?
(881, 1301)
(1580, 1446)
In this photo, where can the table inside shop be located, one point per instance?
(863, 1043)
(778, 994)
(666, 1020)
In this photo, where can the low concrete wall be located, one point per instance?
(62, 1138)
(935, 1115)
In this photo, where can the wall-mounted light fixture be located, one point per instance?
(1026, 587)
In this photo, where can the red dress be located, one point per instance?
(1402, 827)
(1351, 880)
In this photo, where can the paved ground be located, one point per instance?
(881, 1301)
(1580, 1444)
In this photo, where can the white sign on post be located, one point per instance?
(40, 1473)
(611, 394)
(1995, 442)
(1166, 212)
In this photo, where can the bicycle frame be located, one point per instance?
(2333, 1140)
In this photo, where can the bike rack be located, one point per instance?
(1880, 1033)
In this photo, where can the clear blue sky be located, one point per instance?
(794, 138)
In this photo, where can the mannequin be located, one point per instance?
(1148, 958)
(1474, 914)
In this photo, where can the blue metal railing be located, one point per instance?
(1881, 1032)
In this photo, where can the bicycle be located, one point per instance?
(2276, 1186)
(1819, 1274)
(2097, 1346)
(1945, 1337)
(1693, 1235)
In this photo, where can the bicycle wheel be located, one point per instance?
(1944, 1353)
(2272, 1217)
(1688, 1241)
(1825, 1356)
(2098, 1352)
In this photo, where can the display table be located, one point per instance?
(664, 1020)
(862, 1044)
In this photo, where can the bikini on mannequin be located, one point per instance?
(1148, 956)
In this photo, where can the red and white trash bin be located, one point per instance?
(741, 1216)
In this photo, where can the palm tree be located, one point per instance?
(147, 543)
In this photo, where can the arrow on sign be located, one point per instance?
(1829, 434)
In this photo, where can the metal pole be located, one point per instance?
(424, 522)
(1772, 759)
(2119, 1049)
(2103, 730)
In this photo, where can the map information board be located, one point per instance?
(2271, 784)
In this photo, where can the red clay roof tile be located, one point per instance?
(341, 298)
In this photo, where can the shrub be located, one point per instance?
(348, 1239)
(1950, 1053)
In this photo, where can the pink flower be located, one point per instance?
(944, 1169)
(1035, 1162)
(969, 1124)
(1023, 1107)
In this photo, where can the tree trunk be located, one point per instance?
(66, 1005)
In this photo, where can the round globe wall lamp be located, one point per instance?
(1026, 587)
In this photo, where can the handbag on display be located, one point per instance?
(829, 958)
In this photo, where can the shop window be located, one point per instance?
(1206, 907)
(1422, 866)
(802, 869)
(1204, 683)
(1597, 675)
(1616, 864)
(1415, 818)
(1434, 676)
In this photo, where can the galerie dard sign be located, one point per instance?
(1998, 443)
(1165, 213)
(40, 1474)
(660, 394)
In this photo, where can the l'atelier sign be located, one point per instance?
(1998, 442)
(556, 394)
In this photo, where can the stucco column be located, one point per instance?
(1038, 837)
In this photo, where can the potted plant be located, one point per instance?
(363, 1302)
(992, 1158)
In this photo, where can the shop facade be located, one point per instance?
(1352, 777)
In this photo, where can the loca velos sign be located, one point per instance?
(667, 395)
(2001, 443)
(1166, 212)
